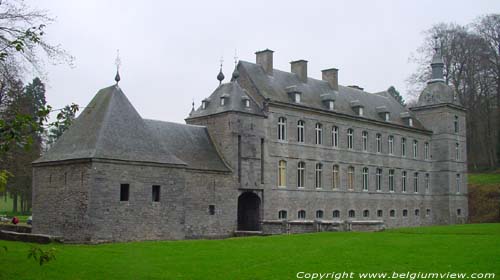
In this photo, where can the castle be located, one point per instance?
(269, 152)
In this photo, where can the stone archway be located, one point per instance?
(248, 212)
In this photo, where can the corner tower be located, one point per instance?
(439, 110)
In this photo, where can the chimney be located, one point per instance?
(265, 59)
(299, 67)
(332, 77)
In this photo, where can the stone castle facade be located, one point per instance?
(268, 152)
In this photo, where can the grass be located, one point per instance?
(484, 178)
(459, 248)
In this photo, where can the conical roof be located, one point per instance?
(110, 128)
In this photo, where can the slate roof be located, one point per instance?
(437, 92)
(235, 101)
(274, 87)
(110, 128)
(190, 143)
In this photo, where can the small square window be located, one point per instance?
(211, 209)
(156, 193)
(379, 213)
(124, 192)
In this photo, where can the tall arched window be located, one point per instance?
(282, 215)
(350, 178)
(378, 180)
(415, 148)
(415, 182)
(405, 212)
(301, 170)
(457, 151)
(319, 174)
(319, 134)
(350, 139)
(458, 182)
(426, 150)
(319, 214)
(336, 213)
(391, 144)
(281, 129)
(282, 173)
(403, 181)
(391, 180)
(455, 124)
(379, 142)
(335, 136)
(403, 147)
(392, 213)
(336, 177)
(427, 182)
(300, 131)
(366, 213)
(364, 135)
(301, 214)
(365, 178)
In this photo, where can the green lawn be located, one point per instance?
(461, 248)
(484, 178)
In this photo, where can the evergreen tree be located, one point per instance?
(394, 93)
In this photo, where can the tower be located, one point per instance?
(439, 110)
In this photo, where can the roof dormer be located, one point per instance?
(383, 112)
(407, 118)
(294, 94)
(357, 107)
(328, 100)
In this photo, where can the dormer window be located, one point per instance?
(410, 121)
(360, 111)
(387, 116)
(383, 113)
(357, 107)
(204, 104)
(331, 105)
(222, 101)
(247, 103)
(297, 97)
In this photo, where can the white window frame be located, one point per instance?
(301, 172)
(379, 143)
(426, 150)
(415, 182)
(335, 177)
(350, 178)
(391, 144)
(319, 133)
(301, 131)
(365, 174)
(318, 183)
(378, 179)
(415, 148)
(282, 176)
(391, 180)
(335, 136)
(281, 129)
(403, 147)
(364, 135)
(403, 181)
(350, 138)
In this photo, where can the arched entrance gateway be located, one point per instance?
(249, 212)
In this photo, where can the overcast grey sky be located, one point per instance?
(170, 50)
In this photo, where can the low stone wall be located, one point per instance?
(300, 226)
(16, 228)
(374, 225)
(27, 237)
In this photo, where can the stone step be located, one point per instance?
(242, 233)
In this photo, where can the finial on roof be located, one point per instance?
(192, 106)
(220, 76)
(118, 63)
(437, 63)
(236, 74)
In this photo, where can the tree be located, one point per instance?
(394, 93)
(65, 118)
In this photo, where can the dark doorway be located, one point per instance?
(249, 212)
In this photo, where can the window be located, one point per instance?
(403, 147)
(391, 180)
(336, 214)
(427, 182)
(410, 122)
(331, 105)
(222, 101)
(379, 143)
(301, 214)
(405, 213)
(360, 111)
(282, 173)
(350, 178)
(380, 213)
(350, 138)
(428, 212)
(365, 178)
(297, 97)
(336, 177)
(403, 181)
(365, 140)
(247, 103)
(417, 212)
(455, 124)
(301, 167)
(391, 144)
(387, 116)
(366, 213)
(415, 182)
(459, 212)
(282, 215)
(392, 213)
(426, 150)
(335, 136)
(458, 183)
(319, 174)
(156, 193)
(319, 134)
(124, 192)
(352, 214)
(204, 105)
(457, 151)
(211, 209)
(300, 131)
(378, 180)
(319, 214)
(281, 129)
(415, 148)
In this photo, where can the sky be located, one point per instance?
(171, 50)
